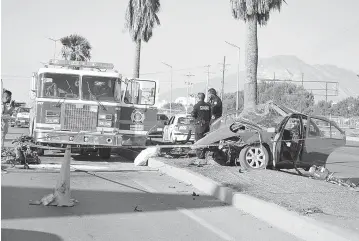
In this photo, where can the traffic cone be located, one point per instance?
(62, 193)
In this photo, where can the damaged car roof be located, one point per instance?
(265, 116)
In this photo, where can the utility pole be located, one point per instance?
(222, 84)
(170, 66)
(239, 57)
(207, 85)
(326, 98)
(223, 71)
(301, 100)
(54, 40)
(188, 83)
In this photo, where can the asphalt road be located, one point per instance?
(122, 205)
(344, 161)
(128, 204)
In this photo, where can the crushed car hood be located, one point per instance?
(265, 116)
(225, 132)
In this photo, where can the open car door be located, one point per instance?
(288, 141)
(321, 139)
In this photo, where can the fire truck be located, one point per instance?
(89, 105)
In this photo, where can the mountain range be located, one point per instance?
(337, 82)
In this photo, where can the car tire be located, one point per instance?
(173, 141)
(104, 153)
(254, 157)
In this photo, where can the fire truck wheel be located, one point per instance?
(104, 153)
(40, 152)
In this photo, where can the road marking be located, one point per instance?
(192, 216)
(205, 224)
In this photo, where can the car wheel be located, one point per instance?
(104, 153)
(172, 139)
(254, 157)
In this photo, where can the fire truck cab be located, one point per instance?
(89, 106)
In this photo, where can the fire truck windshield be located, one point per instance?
(53, 85)
(140, 92)
(99, 88)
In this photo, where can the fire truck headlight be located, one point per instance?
(71, 138)
(86, 139)
(52, 120)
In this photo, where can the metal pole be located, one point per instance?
(224, 69)
(207, 85)
(189, 75)
(326, 98)
(171, 91)
(301, 101)
(239, 58)
(170, 66)
(55, 40)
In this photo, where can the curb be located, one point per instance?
(291, 222)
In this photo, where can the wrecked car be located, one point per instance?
(272, 136)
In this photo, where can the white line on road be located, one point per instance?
(192, 216)
(205, 224)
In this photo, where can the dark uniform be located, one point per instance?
(216, 107)
(202, 114)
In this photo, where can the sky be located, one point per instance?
(192, 34)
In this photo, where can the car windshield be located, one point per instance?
(53, 85)
(100, 88)
(24, 110)
(186, 121)
(265, 116)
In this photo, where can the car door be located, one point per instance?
(322, 138)
(166, 130)
(171, 127)
(287, 147)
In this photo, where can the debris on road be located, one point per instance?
(22, 153)
(142, 158)
(322, 173)
(312, 210)
(195, 194)
(137, 210)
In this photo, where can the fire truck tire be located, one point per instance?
(104, 153)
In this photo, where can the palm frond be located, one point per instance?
(76, 47)
(245, 9)
(141, 18)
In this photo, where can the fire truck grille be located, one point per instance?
(80, 117)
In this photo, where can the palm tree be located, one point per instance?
(253, 12)
(76, 47)
(141, 19)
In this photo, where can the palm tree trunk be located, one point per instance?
(251, 60)
(136, 71)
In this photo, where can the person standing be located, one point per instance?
(202, 115)
(7, 109)
(216, 105)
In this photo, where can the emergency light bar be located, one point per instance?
(83, 64)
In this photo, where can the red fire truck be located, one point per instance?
(90, 106)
